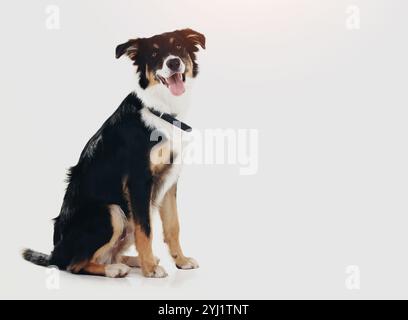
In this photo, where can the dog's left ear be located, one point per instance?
(130, 48)
(193, 37)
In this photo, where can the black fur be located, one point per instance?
(145, 55)
(118, 152)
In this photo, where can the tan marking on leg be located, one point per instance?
(126, 193)
(160, 157)
(105, 255)
(125, 243)
(96, 269)
(77, 267)
(134, 262)
(171, 228)
(148, 262)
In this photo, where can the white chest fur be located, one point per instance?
(159, 98)
(176, 141)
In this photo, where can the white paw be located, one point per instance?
(158, 272)
(117, 270)
(188, 264)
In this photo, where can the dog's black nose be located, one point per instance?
(174, 64)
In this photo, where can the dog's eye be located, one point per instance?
(154, 54)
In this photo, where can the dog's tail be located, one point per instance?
(40, 259)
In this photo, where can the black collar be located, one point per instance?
(172, 120)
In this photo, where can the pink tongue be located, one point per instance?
(176, 85)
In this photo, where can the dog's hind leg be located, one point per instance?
(134, 262)
(104, 261)
(95, 269)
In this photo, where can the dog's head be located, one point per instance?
(167, 60)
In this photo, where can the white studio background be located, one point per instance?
(327, 94)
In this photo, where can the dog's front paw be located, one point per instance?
(117, 271)
(187, 264)
(156, 272)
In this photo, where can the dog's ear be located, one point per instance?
(193, 37)
(130, 48)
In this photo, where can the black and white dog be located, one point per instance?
(127, 171)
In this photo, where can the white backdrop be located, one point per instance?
(329, 103)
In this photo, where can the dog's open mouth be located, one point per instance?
(175, 83)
